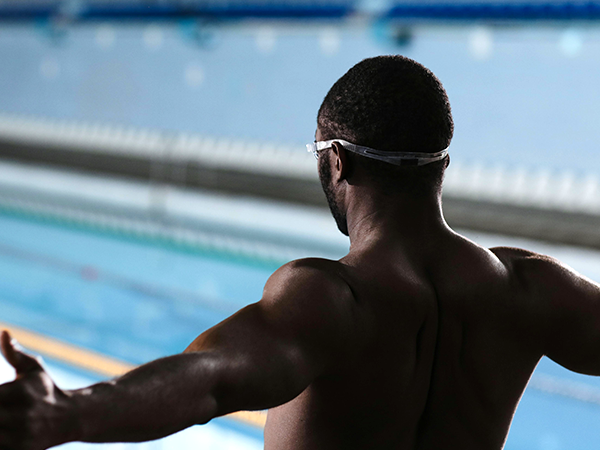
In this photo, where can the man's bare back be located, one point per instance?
(418, 339)
(439, 360)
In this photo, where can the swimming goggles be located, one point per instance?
(397, 158)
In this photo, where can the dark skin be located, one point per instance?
(417, 339)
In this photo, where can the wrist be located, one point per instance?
(70, 423)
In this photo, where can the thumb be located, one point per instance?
(12, 352)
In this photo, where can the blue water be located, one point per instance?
(545, 422)
(123, 298)
(120, 297)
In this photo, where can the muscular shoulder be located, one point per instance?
(311, 296)
(308, 279)
(566, 306)
(510, 255)
(534, 271)
(550, 288)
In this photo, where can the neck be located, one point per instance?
(394, 219)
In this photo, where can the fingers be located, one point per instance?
(22, 362)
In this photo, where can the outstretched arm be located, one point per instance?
(567, 311)
(262, 356)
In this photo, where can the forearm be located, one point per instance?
(152, 401)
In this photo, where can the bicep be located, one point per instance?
(270, 351)
(256, 368)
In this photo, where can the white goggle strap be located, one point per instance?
(397, 158)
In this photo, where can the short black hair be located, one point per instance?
(396, 104)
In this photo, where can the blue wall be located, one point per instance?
(520, 95)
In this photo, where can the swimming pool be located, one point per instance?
(136, 300)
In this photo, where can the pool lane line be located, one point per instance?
(93, 274)
(67, 353)
(134, 234)
(97, 363)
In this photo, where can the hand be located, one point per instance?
(34, 413)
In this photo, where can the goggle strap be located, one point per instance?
(397, 158)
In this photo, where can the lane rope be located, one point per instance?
(95, 274)
(574, 390)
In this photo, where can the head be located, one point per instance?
(389, 103)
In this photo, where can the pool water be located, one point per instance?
(120, 297)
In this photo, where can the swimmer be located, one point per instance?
(417, 339)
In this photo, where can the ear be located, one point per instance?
(341, 162)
